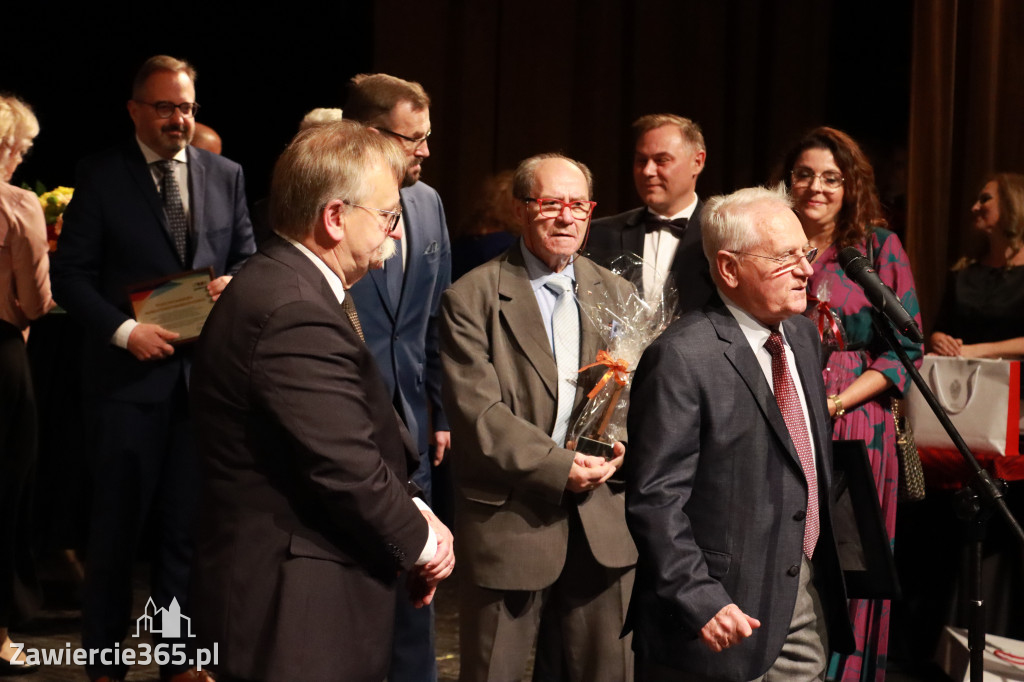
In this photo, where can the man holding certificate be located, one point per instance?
(145, 212)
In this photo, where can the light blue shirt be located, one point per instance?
(539, 274)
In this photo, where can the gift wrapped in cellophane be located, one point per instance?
(627, 327)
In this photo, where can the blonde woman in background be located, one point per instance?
(24, 296)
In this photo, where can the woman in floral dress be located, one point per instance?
(833, 190)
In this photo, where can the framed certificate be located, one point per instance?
(178, 303)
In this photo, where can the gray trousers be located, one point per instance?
(804, 654)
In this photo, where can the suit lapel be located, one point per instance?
(691, 240)
(280, 250)
(742, 358)
(196, 195)
(411, 213)
(379, 278)
(518, 306)
(806, 350)
(633, 233)
(143, 178)
(589, 290)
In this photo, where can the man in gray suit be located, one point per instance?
(729, 468)
(665, 231)
(541, 528)
(398, 308)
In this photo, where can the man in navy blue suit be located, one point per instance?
(149, 208)
(398, 308)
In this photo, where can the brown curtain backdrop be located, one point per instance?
(510, 78)
(967, 98)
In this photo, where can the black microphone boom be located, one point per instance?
(879, 294)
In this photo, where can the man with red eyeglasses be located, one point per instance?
(541, 528)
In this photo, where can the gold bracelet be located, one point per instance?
(840, 410)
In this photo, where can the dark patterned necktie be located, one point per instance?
(789, 402)
(349, 306)
(176, 220)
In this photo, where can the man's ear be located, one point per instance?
(133, 108)
(519, 208)
(333, 220)
(727, 266)
(698, 161)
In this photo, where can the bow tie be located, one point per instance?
(677, 227)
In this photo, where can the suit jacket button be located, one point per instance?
(793, 571)
(800, 515)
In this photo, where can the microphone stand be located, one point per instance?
(980, 497)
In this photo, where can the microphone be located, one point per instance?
(882, 298)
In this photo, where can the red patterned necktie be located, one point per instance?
(789, 402)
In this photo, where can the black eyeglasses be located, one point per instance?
(166, 109)
(788, 261)
(391, 218)
(416, 142)
(552, 208)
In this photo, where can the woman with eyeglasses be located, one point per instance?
(834, 196)
(24, 296)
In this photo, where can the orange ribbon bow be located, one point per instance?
(616, 368)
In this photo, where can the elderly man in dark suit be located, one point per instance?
(309, 523)
(729, 468)
(665, 231)
(398, 308)
(542, 532)
(150, 208)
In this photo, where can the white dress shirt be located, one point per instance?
(659, 252)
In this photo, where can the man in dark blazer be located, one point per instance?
(729, 469)
(149, 208)
(398, 307)
(308, 519)
(542, 533)
(665, 231)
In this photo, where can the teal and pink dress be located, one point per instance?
(871, 421)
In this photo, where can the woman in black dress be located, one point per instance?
(982, 315)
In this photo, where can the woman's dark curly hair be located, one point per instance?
(861, 208)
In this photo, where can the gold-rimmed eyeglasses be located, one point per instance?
(831, 181)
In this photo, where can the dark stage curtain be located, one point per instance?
(965, 122)
(512, 78)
